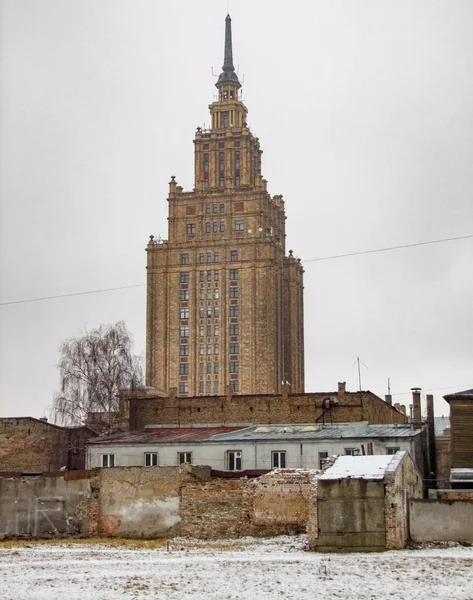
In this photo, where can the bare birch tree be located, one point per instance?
(94, 367)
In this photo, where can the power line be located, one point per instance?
(122, 287)
(361, 252)
(389, 248)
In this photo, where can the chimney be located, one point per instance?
(172, 185)
(401, 408)
(416, 416)
(341, 390)
(389, 399)
(431, 441)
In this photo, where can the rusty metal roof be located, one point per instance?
(163, 435)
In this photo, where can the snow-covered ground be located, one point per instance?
(248, 569)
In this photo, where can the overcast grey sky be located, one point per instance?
(364, 111)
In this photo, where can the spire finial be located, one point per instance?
(228, 74)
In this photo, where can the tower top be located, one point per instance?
(228, 74)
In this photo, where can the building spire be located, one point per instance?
(228, 74)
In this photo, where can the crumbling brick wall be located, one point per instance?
(401, 485)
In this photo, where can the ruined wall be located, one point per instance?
(350, 516)
(280, 502)
(444, 460)
(300, 408)
(43, 507)
(441, 520)
(403, 483)
(138, 502)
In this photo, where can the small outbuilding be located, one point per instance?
(362, 504)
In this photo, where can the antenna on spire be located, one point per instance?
(357, 362)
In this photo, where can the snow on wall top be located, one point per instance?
(360, 467)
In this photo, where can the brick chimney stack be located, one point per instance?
(388, 399)
(417, 415)
(341, 390)
(431, 441)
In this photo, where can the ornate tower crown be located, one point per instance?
(228, 74)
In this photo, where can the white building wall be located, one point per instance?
(255, 455)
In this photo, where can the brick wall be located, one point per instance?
(30, 445)
(444, 460)
(284, 408)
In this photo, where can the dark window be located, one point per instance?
(184, 259)
(216, 275)
(184, 331)
(202, 275)
(209, 257)
(215, 226)
(234, 460)
(234, 311)
(184, 458)
(239, 225)
(234, 255)
(216, 331)
(184, 350)
(215, 208)
(352, 451)
(191, 228)
(209, 368)
(207, 209)
(221, 169)
(216, 311)
(216, 367)
(237, 168)
(278, 459)
(322, 458)
(184, 313)
(215, 386)
(201, 387)
(108, 460)
(215, 348)
(216, 257)
(234, 349)
(222, 226)
(233, 366)
(392, 449)
(234, 329)
(225, 119)
(206, 174)
(151, 459)
(233, 292)
(202, 368)
(209, 330)
(208, 386)
(222, 208)
(183, 387)
(235, 385)
(201, 258)
(184, 295)
(202, 312)
(233, 274)
(208, 227)
(184, 277)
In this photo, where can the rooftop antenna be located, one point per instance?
(357, 362)
(389, 387)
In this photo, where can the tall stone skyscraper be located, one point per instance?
(224, 302)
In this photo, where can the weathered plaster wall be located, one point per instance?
(43, 507)
(441, 520)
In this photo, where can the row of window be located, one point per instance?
(208, 311)
(214, 208)
(233, 458)
(191, 228)
(208, 331)
(208, 258)
(184, 276)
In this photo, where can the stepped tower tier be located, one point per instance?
(224, 302)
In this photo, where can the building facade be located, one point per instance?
(254, 448)
(461, 438)
(224, 301)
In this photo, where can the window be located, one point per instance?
(202, 312)
(206, 175)
(202, 331)
(108, 460)
(209, 275)
(233, 292)
(209, 312)
(184, 295)
(151, 459)
(234, 329)
(235, 385)
(209, 330)
(216, 311)
(209, 368)
(201, 387)
(234, 311)
(210, 294)
(278, 459)
(352, 451)
(216, 257)
(215, 348)
(184, 259)
(209, 348)
(202, 349)
(392, 449)
(202, 368)
(184, 277)
(237, 168)
(183, 387)
(322, 459)
(222, 208)
(225, 119)
(234, 460)
(183, 350)
(184, 331)
(215, 386)
(184, 369)
(222, 226)
(208, 227)
(234, 366)
(202, 294)
(215, 208)
(209, 257)
(202, 258)
(216, 276)
(216, 331)
(184, 458)
(191, 228)
(202, 275)
(221, 169)
(216, 294)
(207, 209)
(233, 274)
(234, 349)
(239, 225)
(234, 255)
(184, 313)
(208, 387)
(216, 368)
(215, 226)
